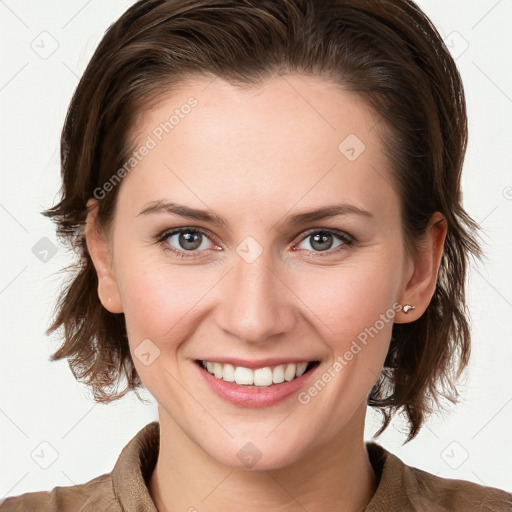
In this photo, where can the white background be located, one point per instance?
(40, 400)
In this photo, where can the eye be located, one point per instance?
(323, 240)
(185, 240)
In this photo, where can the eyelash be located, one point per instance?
(348, 241)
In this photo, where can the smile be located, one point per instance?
(258, 377)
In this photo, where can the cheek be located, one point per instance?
(347, 301)
(162, 301)
(355, 316)
(158, 305)
(354, 310)
(154, 301)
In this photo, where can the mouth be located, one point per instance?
(263, 377)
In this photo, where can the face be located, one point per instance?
(267, 284)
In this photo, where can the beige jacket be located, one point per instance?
(401, 488)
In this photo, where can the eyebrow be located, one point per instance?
(306, 217)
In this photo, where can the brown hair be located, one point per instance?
(387, 51)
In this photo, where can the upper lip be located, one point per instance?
(259, 363)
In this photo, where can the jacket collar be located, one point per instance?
(133, 469)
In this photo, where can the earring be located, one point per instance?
(407, 308)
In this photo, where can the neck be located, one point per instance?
(336, 476)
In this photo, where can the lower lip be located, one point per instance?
(255, 397)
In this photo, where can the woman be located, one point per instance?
(266, 197)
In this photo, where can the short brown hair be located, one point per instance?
(387, 51)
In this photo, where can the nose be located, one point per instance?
(257, 302)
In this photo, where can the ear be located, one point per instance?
(98, 247)
(422, 284)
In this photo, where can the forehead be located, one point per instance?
(296, 107)
(292, 139)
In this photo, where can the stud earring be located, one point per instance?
(407, 308)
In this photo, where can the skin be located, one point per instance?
(254, 157)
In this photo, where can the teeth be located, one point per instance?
(243, 376)
(278, 374)
(228, 373)
(290, 371)
(217, 370)
(259, 377)
(301, 368)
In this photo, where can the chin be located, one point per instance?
(255, 452)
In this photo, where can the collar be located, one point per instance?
(133, 469)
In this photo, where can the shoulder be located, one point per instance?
(409, 489)
(94, 495)
(124, 488)
(454, 495)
